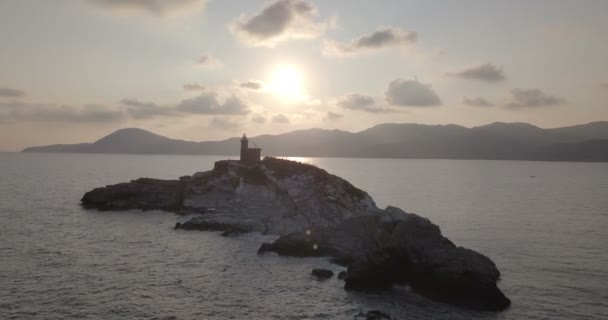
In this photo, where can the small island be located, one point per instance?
(315, 213)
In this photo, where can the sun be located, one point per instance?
(287, 82)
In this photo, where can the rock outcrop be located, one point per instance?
(322, 273)
(318, 214)
(143, 193)
(395, 247)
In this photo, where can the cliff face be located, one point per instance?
(318, 214)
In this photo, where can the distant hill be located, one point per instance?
(506, 141)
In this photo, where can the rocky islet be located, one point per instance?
(315, 213)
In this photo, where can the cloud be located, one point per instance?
(603, 85)
(152, 7)
(484, 72)
(194, 87)
(146, 110)
(378, 40)
(224, 124)
(532, 98)
(207, 103)
(361, 102)
(258, 118)
(411, 93)
(279, 21)
(28, 112)
(477, 102)
(209, 61)
(331, 116)
(253, 85)
(11, 93)
(280, 118)
(355, 101)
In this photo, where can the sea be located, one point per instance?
(544, 224)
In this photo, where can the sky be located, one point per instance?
(76, 70)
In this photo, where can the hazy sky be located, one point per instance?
(75, 70)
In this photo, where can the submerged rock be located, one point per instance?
(228, 229)
(322, 273)
(318, 214)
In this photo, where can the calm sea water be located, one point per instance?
(547, 234)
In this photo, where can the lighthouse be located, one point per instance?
(249, 155)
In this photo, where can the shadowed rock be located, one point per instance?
(372, 315)
(395, 247)
(143, 193)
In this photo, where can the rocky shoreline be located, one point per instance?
(315, 213)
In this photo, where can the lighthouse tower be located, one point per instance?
(249, 155)
(244, 147)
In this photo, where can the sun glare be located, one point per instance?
(288, 83)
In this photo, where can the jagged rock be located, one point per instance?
(322, 273)
(395, 247)
(372, 315)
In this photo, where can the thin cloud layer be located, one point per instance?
(378, 40)
(29, 112)
(146, 110)
(208, 104)
(279, 21)
(485, 72)
(194, 87)
(331, 116)
(411, 93)
(224, 124)
(6, 92)
(152, 7)
(532, 98)
(477, 102)
(258, 118)
(209, 61)
(280, 119)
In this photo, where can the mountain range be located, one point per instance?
(496, 141)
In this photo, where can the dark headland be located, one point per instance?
(318, 214)
(496, 141)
